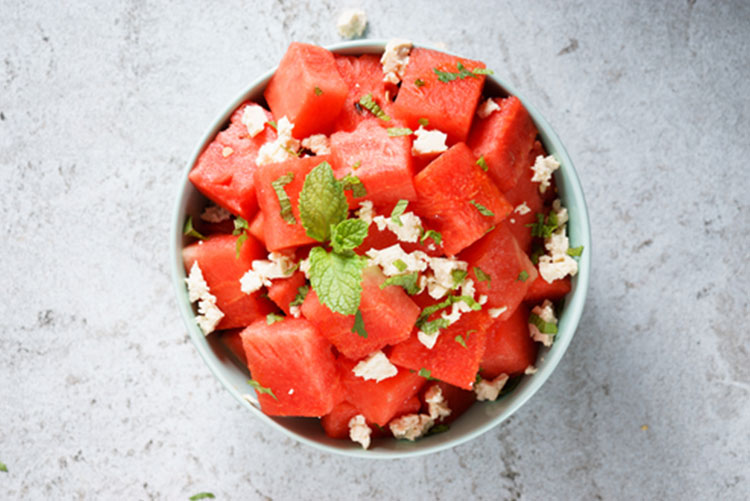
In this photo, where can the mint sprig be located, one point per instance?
(189, 231)
(368, 103)
(354, 184)
(240, 228)
(337, 279)
(348, 235)
(482, 209)
(301, 295)
(322, 202)
(407, 281)
(261, 389)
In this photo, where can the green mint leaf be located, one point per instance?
(272, 123)
(322, 202)
(458, 277)
(398, 210)
(536, 251)
(447, 76)
(356, 164)
(348, 235)
(400, 265)
(272, 318)
(318, 91)
(238, 246)
(434, 235)
(482, 276)
(291, 151)
(432, 309)
(189, 231)
(470, 302)
(284, 203)
(261, 389)
(337, 279)
(523, 276)
(354, 184)
(460, 340)
(408, 282)
(368, 103)
(419, 82)
(438, 428)
(202, 495)
(544, 327)
(359, 325)
(301, 295)
(482, 164)
(482, 209)
(3, 467)
(478, 377)
(240, 225)
(482, 71)
(423, 122)
(575, 251)
(544, 226)
(426, 374)
(433, 326)
(399, 131)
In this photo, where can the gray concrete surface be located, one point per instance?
(103, 397)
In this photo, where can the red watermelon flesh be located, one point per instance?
(448, 106)
(222, 272)
(296, 363)
(307, 89)
(458, 399)
(284, 290)
(363, 75)
(380, 402)
(499, 256)
(540, 289)
(388, 315)
(445, 188)
(504, 139)
(278, 233)
(448, 360)
(509, 347)
(233, 342)
(385, 164)
(256, 227)
(224, 171)
(524, 191)
(336, 422)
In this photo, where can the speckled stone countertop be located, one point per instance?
(103, 397)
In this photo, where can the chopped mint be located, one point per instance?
(356, 164)
(398, 210)
(400, 265)
(284, 203)
(575, 251)
(433, 326)
(301, 295)
(408, 281)
(463, 72)
(482, 163)
(478, 377)
(399, 131)
(482, 71)
(419, 82)
(523, 276)
(240, 227)
(423, 122)
(458, 277)
(189, 231)
(425, 374)
(322, 203)
(544, 226)
(482, 276)
(354, 184)
(3, 467)
(291, 151)
(261, 389)
(202, 495)
(337, 279)
(272, 123)
(544, 327)
(470, 302)
(359, 325)
(368, 103)
(272, 318)
(482, 209)
(460, 340)
(536, 251)
(348, 235)
(318, 91)
(438, 428)
(434, 235)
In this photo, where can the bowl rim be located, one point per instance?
(572, 310)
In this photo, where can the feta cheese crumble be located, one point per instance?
(359, 431)
(437, 406)
(254, 118)
(441, 280)
(490, 390)
(522, 209)
(557, 263)
(277, 265)
(385, 258)
(318, 144)
(215, 214)
(530, 370)
(209, 315)
(351, 24)
(366, 212)
(428, 340)
(496, 312)
(429, 142)
(295, 311)
(409, 230)
(560, 211)
(280, 149)
(375, 367)
(226, 151)
(410, 426)
(486, 108)
(546, 312)
(394, 59)
(543, 168)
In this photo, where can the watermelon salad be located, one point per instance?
(382, 243)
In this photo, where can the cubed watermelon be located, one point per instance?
(540, 289)
(509, 269)
(377, 239)
(525, 191)
(454, 195)
(384, 163)
(448, 360)
(448, 106)
(256, 227)
(509, 347)
(307, 89)
(224, 171)
(278, 233)
(284, 290)
(363, 75)
(388, 315)
(222, 272)
(232, 341)
(296, 364)
(336, 422)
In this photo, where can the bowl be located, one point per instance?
(482, 416)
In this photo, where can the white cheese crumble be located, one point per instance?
(366, 212)
(410, 426)
(428, 340)
(543, 168)
(281, 148)
(546, 312)
(437, 406)
(394, 59)
(560, 211)
(318, 144)
(409, 230)
(557, 263)
(351, 24)
(295, 311)
(428, 142)
(277, 265)
(385, 258)
(304, 267)
(226, 151)
(375, 367)
(254, 118)
(359, 431)
(215, 214)
(490, 390)
(441, 280)
(522, 209)
(460, 307)
(209, 315)
(496, 312)
(486, 108)
(290, 392)
(530, 370)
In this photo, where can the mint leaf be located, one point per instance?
(348, 235)
(423, 122)
(284, 202)
(318, 91)
(322, 202)
(438, 428)
(458, 277)
(482, 209)
(354, 184)
(481, 163)
(272, 318)
(434, 235)
(523, 276)
(482, 276)
(359, 325)
(482, 71)
(368, 103)
(356, 164)
(460, 340)
(202, 495)
(3, 467)
(407, 281)
(426, 374)
(261, 389)
(419, 82)
(398, 210)
(544, 327)
(240, 227)
(400, 265)
(399, 131)
(536, 252)
(470, 302)
(544, 226)
(337, 279)
(575, 251)
(301, 295)
(463, 72)
(433, 326)
(189, 231)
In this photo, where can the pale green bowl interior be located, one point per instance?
(482, 416)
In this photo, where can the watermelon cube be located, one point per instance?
(388, 315)
(232, 341)
(509, 347)
(524, 192)
(448, 360)
(384, 163)
(256, 227)
(448, 106)
(222, 272)
(224, 171)
(336, 422)
(509, 269)
(284, 290)
(363, 75)
(278, 233)
(540, 289)
(459, 199)
(307, 89)
(296, 364)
